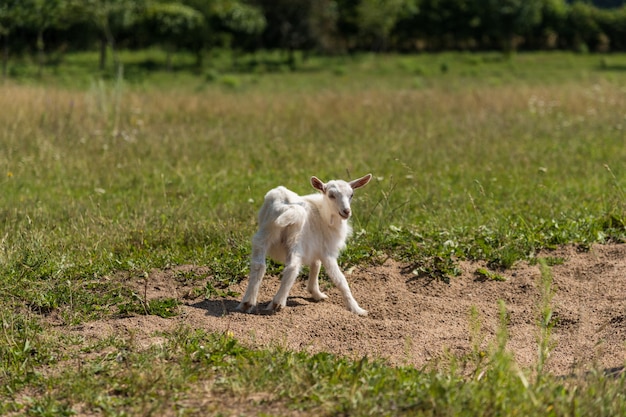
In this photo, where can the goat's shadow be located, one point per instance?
(224, 307)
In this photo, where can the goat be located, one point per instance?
(296, 230)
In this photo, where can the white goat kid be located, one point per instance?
(296, 230)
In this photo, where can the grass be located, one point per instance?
(179, 375)
(491, 159)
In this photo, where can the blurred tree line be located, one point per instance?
(38, 27)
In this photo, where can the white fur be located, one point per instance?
(303, 230)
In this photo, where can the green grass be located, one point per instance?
(267, 70)
(489, 159)
(176, 377)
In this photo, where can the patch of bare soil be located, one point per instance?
(413, 320)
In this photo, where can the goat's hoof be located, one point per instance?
(246, 307)
(274, 307)
(359, 311)
(319, 296)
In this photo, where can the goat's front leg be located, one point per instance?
(313, 283)
(339, 279)
(290, 273)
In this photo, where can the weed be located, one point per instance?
(23, 350)
(230, 81)
(210, 292)
(545, 321)
(162, 307)
(485, 274)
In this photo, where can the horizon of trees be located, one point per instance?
(334, 27)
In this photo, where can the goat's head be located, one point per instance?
(339, 193)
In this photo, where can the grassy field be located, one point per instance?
(474, 157)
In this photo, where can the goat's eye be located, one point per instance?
(331, 196)
(351, 195)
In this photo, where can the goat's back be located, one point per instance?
(282, 208)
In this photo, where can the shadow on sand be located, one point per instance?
(222, 307)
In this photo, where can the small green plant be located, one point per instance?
(548, 260)
(477, 343)
(211, 75)
(438, 267)
(544, 317)
(188, 276)
(210, 291)
(23, 350)
(339, 71)
(162, 307)
(485, 274)
(230, 81)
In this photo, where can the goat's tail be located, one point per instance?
(293, 215)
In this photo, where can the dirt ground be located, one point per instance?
(414, 320)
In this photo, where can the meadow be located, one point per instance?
(474, 156)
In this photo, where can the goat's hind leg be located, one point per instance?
(257, 271)
(313, 283)
(290, 273)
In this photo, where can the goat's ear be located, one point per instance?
(360, 182)
(318, 184)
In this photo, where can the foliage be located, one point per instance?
(42, 15)
(241, 17)
(297, 25)
(9, 17)
(378, 18)
(172, 19)
(172, 23)
(109, 17)
(509, 18)
(326, 26)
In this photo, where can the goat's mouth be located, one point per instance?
(344, 216)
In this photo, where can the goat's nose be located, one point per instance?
(346, 211)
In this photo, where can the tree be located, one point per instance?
(553, 17)
(42, 15)
(292, 24)
(170, 21)
(203, 36)
(239, 19)
(223, 20)
(109, 17)
(613, 25)
(505, 20)
(441, 24)
(377, 18)
(583, 27)
(10, 18)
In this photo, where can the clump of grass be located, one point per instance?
(548, 260)
(23, 350)
(484, 273)
(230, 81)
(545, 322)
